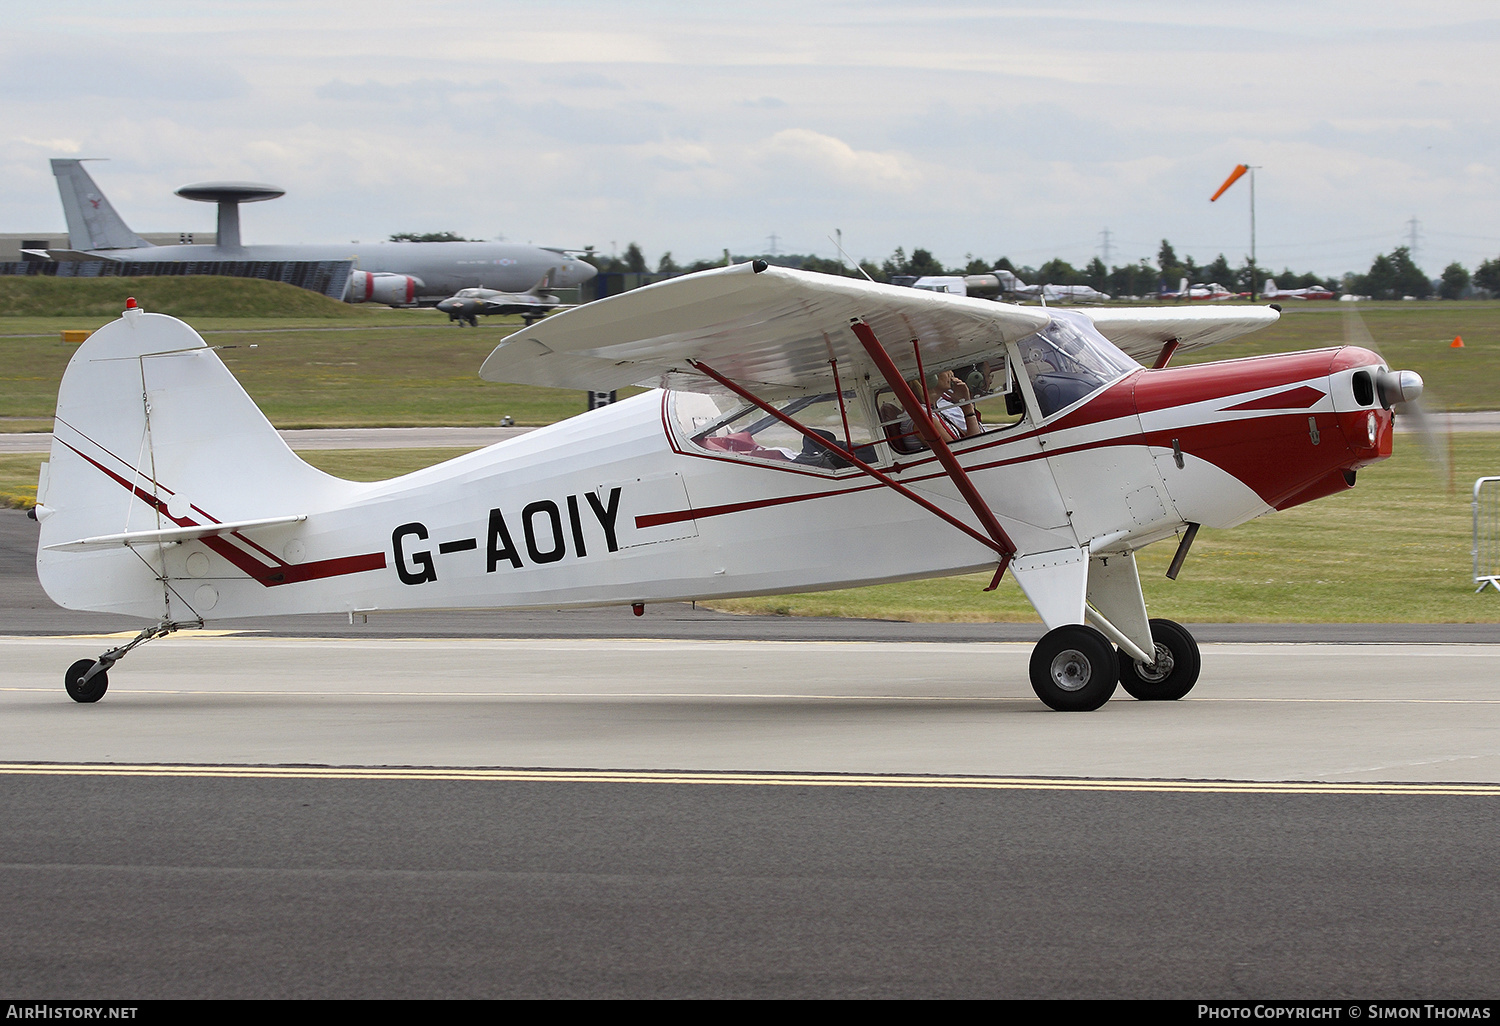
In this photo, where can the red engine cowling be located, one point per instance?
(383, 287)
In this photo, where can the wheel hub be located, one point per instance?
(1071, 670)
(1160, 670)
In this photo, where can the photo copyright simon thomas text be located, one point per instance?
(1275, 1011)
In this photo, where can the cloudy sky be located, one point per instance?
(990, 129)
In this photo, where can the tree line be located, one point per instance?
(1391, 276)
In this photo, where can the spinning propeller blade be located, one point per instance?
(1402, 389)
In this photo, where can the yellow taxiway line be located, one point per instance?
(378, 773)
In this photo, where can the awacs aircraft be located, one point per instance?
(797, 440)
(1311, 292)
(533, 304)
(396, 273)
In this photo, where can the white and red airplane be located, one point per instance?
(764, 462)
(1212, 292)
(1311, 292)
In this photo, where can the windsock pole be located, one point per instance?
(1234, 176)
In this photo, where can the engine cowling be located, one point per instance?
(383, 287)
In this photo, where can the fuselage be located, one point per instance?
(442, 267)
(631, 503)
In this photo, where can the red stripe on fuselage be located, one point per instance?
(1299, 398)
(1182, 386)
(268, 575)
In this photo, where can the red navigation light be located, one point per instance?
(130, 303)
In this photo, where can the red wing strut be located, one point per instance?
(999, 540)
(844, 454)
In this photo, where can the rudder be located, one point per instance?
(92, 222)
(154, 433)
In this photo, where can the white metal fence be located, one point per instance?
(1487, 532)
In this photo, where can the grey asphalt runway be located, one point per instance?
(691, 804)
(163, 887)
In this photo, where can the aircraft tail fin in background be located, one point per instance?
(92, 222)
(544, 286)
(155, 443)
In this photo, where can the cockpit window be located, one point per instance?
(1068, 360)
(732, 427)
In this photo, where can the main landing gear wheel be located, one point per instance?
(1172, 675)
(1074, 669)
(80, 690)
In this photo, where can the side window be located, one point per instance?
(733, 427)
(985, 384)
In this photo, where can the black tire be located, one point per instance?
(1176, 669)
(1074, 669)
(78, 691)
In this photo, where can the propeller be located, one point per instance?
(1402, 392)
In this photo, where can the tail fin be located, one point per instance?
(155, 445)
(544, 286)
(92, 222)
(1270, 289)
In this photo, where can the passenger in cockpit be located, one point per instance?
(953, 412)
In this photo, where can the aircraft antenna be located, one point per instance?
(859, 267)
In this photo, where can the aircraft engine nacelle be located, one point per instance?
(383, 287)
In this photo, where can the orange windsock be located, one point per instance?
(1234, 176)
(1457, 343)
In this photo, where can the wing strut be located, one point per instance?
(1003, 547)
(1000, 541)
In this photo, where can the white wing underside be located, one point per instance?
(776, 330)
(1142, 331)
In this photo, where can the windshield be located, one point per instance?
(1068, 360)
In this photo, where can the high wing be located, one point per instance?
(771, 328)
(1143, 331)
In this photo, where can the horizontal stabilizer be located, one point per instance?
(130, 539)
(1141, 332)
(774, 328)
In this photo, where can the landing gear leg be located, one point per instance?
(1172, 675)
(1074, 668)
(88, 679)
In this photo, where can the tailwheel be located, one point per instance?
(1074, 669)
(1172, 675)
(80, 690)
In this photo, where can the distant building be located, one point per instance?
(12, 243)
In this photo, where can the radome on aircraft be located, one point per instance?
(807, 431)
(396, 273)
(468, 305)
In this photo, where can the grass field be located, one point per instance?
(95, 301)
(381, 367)
(1411, 336)
(400, 369)
(1396, 548)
